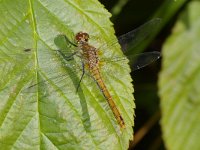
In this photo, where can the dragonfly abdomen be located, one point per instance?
(97, 77)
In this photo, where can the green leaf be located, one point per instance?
(39, 106)
(179, 82)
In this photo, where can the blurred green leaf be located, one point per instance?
(117, 8)
(179, 82)
(53, 116)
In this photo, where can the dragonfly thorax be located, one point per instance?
(90, 55)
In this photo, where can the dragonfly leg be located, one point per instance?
(83, 72)
(67, 40)
(69, 57)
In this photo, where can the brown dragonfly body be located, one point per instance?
(89, 54)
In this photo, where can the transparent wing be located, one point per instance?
(52, 63)
(57, 75)
(51, 68)
(142, 60)
(137, 61)
(131, 39)
(53, 78)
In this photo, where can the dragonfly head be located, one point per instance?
(82, 37)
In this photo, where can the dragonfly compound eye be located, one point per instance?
(82, 37)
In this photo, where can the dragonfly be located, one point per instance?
(90, 61)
